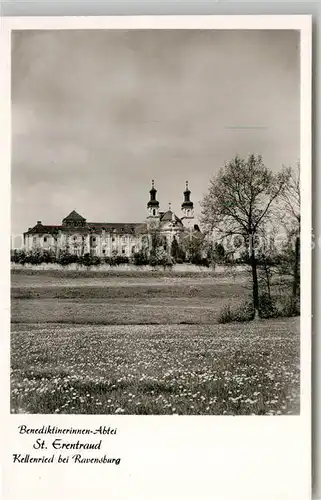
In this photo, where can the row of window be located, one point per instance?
(75, 238)
(103, 251)
(114, 230)
(123, 250)
(94, 239)
(45, 239)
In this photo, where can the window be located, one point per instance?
(34, 239)
(154, 211)
(45, 239)
(133, 249)
(75, 238)
(104, 251)
(113, 239)
(123, 250)
(94, 239)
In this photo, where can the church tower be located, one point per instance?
(187, 208)
(153, 204)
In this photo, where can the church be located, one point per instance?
(104, 239)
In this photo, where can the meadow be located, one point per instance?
(146, 344)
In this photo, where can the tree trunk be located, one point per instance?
(267, 274)
(255, 283)
(296, 275)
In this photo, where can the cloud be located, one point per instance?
(97, 114)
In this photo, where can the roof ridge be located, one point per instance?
(115, 223)
(74, 215)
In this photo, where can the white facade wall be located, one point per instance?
(108, 244)
(40, 241)
(105, 243)
(102, 245)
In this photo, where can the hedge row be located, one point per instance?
(64, 258)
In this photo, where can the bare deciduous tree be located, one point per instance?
(291, 204)
(239, 201)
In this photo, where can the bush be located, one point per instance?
(48, 257)
(166, 261)
(244, 312)
(95, 261)
(225, 315)
(140, 259)
(18, 257)
(288, 307)
(35, 257)
(267, 306)
(65, 258)
(160, 258)
(116, 260)
(197, 260)
(278, 307)
(177, 253)
(216, 254)
(88, 260)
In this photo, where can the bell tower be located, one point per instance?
(187, 208)
(153, 204)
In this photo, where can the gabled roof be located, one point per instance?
(117, 227)
(41, 229)
(167, 216)
(141, 228)
(109, 227)
(74, 216)
(71, 229)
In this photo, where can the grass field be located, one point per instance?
(146, 345)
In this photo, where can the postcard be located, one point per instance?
(156, 305)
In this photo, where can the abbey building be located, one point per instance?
(78, 236)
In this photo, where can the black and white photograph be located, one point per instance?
(155, 222)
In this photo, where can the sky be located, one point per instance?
(97, 114)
